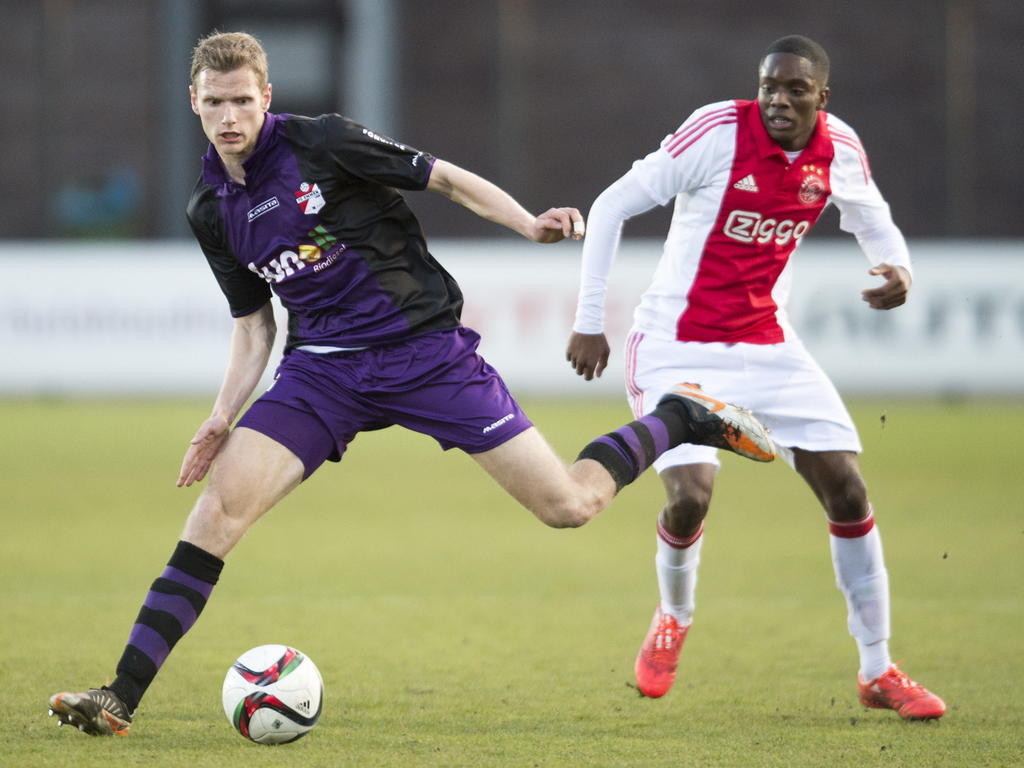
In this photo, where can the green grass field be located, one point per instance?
(452, 629)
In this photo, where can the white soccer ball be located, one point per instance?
(273, 694)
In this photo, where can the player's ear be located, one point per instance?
(823, 97)
(267, 92)
(193, 98)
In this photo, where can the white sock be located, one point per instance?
(676, 564)
(861, 577)
(874, 658)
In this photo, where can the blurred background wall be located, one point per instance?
(551, 99)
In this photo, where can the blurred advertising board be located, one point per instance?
(147, 318)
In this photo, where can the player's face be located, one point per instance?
(790, 93)
(231, 106)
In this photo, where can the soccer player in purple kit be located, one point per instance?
(308, 209)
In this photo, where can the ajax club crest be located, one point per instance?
(309, 197)
(812, 188)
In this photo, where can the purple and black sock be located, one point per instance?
(171, 607)
(631, 449)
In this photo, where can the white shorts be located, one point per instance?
(781, 383)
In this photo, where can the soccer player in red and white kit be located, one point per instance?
(749, 179)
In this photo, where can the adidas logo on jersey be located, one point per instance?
(746, 184)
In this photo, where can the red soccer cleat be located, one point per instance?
(894, 690)
(656, 663)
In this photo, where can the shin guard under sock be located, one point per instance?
(676, 565)
(862, 578)
(171, 607)
(631, 449)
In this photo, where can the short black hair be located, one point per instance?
(805, 48)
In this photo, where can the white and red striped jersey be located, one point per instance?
(742, 206)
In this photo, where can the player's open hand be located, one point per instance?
(202, 449)
(893, 292)
(556, 224)
(588, 354)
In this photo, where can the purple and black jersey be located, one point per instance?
(320, 221)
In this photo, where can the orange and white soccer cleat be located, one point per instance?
(894, 690)
(656, 663)
(722, 425)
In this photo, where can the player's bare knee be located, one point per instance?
(562, 519)
(686, 508)
(216, 522)
(846, 499)
(566, 513)
(683, 515)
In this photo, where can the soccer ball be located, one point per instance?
(273, 694)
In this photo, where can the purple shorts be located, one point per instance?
(435, 384)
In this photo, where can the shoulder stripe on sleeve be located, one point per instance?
(693, 140)
(699, 126)
(849, 139)
(849, 135)
(856, 147)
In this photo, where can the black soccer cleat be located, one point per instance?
(721, 425)
(98, 712)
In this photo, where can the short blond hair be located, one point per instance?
(226, 51)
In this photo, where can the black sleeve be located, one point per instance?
(245, 291)
(372, 157)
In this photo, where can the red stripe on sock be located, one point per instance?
(674, 541)
(853, 529)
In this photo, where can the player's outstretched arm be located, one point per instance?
(892, 293)
(490, 202)
(252, 338)
(587, 350)
(588, 354)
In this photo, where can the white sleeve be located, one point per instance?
(863, 211)
(623, 200)
(684, 161)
